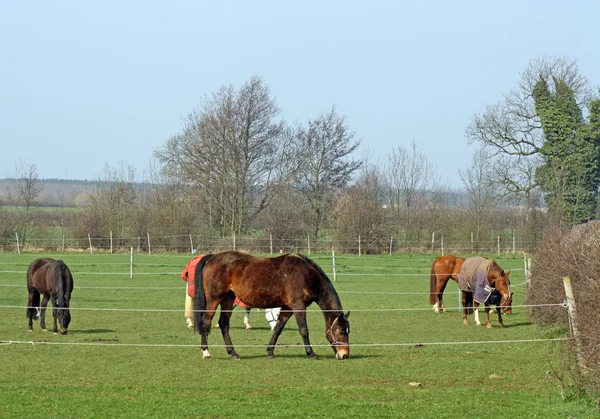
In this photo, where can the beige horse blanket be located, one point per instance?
(473, 277)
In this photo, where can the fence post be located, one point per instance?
(391, 241)
(63, 242)
(308, 236)
(333, 260)
(234, 241)
(90, 240)
(359, 245)
(271, 242)
(442, 244)
(498, 245)
(111, 248)
(139, 244)
(131, 264)
(149, 251)
(514, 245)
(18, 246)
(573, 320)
(472, 246)
(432, 240)
(191, 245)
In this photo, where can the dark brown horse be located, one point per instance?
(52, 279)
(482, 280)
(443, 268)
(290, 281)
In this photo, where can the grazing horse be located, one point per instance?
(481, 280)
(443, 268)
(290, 281)
(53, 279)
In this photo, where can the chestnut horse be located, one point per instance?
(290, 281)
(495, 289)
(443, 268)
(53, 279)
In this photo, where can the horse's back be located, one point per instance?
(262, 282)
(36, 272)
(447, 266)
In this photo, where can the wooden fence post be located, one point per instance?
(333, 260)
(573, 321)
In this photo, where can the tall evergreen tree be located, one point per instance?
(571, 153)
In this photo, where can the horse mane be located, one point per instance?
(60, 269)
(331, 292)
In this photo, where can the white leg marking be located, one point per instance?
(436, 307)
(205, 353)
(477, 322)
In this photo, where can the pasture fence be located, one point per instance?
(122, 268)
(266, 243)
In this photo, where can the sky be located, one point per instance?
(86, 84)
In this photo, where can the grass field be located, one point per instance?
(129, 354)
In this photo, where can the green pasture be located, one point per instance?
(129, 354)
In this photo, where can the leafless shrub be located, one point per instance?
(576, 254)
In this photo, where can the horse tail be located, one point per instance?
(61, 283)
(432, 285)
(199, 295)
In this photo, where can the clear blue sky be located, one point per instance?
(84, 84)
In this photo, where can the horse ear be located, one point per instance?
(507, 272)
(347, 314)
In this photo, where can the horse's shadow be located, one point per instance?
(92, 331)
(507, 325)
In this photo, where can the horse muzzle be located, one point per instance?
(63, 331)
(342, 352)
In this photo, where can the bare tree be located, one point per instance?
(23, 195)
(323, 151)
(111, 206)
(229, 148)
(481, 189)
(409, 176)
(359, 212)
(511, 128)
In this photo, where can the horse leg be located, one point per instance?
(247, 318)
(284, 316)
(55, 314)
(465, 305)
(43, 313)
(209, 313)
(303, 329)
(488, 308)
(32, 303)
(224, 322)
(499, 311)
(476, 311)
(441, 287)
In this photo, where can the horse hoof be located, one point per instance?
(313, 357)
(235, 357)
(207, 357)
(44, 330)
(270, 356)
(248, 327)
(30, 330)
(489, 326)
(55, 333)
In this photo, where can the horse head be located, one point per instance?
(64, 316)
(338, 334)
(502, 284)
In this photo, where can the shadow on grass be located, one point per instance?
(91, 331)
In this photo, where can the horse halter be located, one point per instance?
(330, 330)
